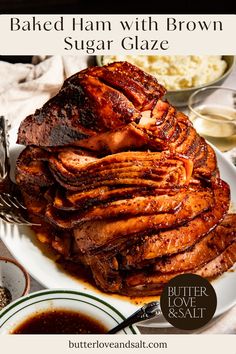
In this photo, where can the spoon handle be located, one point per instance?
(148, 311)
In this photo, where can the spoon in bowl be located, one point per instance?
(148, 311)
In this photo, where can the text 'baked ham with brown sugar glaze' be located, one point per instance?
(122, 183)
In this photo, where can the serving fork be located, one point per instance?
(11, 208)
(147, 312)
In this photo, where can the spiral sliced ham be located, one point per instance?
(122, 183)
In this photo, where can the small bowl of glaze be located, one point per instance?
(14, 278)
(60, 301)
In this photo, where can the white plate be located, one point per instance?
(21, 242)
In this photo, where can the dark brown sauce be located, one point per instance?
(81, 274)
(76, 271)
(59, 321)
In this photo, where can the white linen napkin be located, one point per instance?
(26, 87)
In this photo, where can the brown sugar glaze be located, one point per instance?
(79, 273)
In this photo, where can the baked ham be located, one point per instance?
(91, 101)
(121, 182)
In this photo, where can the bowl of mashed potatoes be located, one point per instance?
(180, 74)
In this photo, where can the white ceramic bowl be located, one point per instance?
(14, 277)
(18, 311)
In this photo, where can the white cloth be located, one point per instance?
(26, 87)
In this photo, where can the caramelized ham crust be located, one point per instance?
(203, 251)
(93, 100)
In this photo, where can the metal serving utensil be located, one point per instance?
(11, 209)
(148, 311)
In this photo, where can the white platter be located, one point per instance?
(21, 243)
